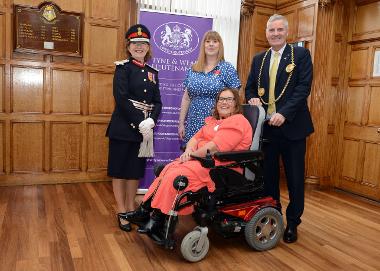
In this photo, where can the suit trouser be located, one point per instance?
(293, 158)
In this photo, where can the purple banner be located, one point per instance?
(175, 41)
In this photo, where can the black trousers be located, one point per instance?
(292, 153)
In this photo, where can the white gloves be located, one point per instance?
(146, 146)
(145, 126)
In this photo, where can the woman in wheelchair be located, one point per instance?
(226, 130)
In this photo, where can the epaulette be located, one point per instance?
(151, 67)
(121, 62)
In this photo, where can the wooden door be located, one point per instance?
(360, 143)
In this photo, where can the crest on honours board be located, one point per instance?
(49, 13)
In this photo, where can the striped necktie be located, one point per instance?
(272, 84)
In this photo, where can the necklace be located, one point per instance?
(289, 69)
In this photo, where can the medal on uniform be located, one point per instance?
(261, 91)
(290, 67)
(151, 77)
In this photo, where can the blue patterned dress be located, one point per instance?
(202, 89)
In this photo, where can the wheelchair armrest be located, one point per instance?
(238, 155)
(207, 161)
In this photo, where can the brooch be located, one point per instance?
(261, 91)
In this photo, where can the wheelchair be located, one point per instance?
(238, 205)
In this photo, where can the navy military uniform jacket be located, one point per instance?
(139, 82)
(293, 104)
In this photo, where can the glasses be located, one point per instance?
(226, 99)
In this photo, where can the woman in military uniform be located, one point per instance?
(130, 131)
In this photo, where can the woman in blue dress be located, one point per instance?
(206, 78)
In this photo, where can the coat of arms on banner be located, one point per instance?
(176, 38)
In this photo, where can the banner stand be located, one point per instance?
(175, 41)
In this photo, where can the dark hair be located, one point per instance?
(148, 55)
(238, 108)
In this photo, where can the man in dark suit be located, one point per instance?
(280, 80)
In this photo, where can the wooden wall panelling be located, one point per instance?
(365, 26)
(356, 96)
(306, 24)
(84, 94)
(336, 58)
(46, 119)
(266, 3)
(100, 97)
(371, 170)
(104, 10)
(2, 35)
(65, 146)
(366, 180)
(285, 3)
(8, 29)
(361, 119)
(341, 63)
(48, 86)
(350, 158)
(100, 52)
(27, 93)
(66, 91)
(2, 87)
(2, 147)
(27, 155)
(7, 148)
(373, 108)
(338, 65)
(47, 147)
(130, 13)
(84, 148)
(358, 65)
(245, 48)
(97, 146)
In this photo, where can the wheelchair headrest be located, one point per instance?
(255, 115)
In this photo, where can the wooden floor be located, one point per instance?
(73, 227)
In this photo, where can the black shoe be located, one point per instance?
(290, 234)
(155, 223)
(121, 219)
(139, 216)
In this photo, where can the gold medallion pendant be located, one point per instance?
(290, 67)
(261, 91)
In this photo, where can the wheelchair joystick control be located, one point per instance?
(180, 182)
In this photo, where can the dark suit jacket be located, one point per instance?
(293, 104)
(139, 83)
